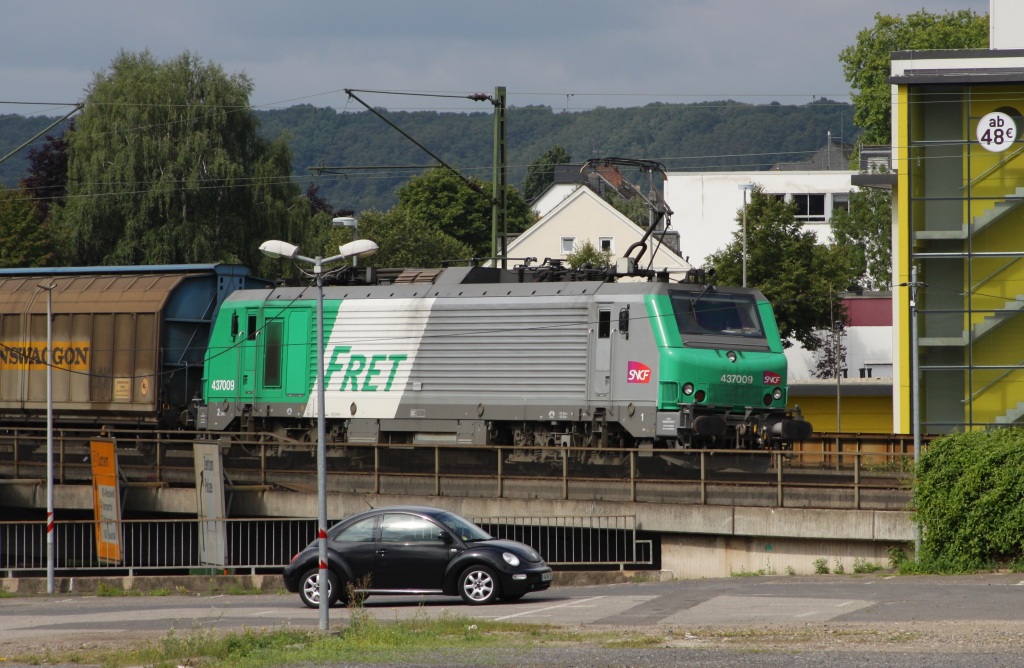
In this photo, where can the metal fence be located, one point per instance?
(267, 545)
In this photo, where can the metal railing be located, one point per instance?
(829, 470)
(267, 545)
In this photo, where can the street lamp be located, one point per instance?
(359, 248)
(745, 187)
(49, 286)
(348, 221)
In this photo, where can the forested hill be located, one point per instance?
(684, 137)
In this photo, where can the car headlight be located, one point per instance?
(510, 559)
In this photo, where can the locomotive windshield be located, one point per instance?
(717, 314)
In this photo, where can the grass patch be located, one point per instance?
(104, 589)
(364, 639)
(862, 565)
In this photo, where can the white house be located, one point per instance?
(583, 216)
(707, 204)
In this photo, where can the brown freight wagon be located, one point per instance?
(127, 342)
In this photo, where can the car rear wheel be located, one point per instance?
(309, 589)
(477, 585)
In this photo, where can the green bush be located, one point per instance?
(969, 494)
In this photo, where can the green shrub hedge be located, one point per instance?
(969, 495)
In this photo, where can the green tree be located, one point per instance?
(865, 232)
(442, 199)
(24, 240)
(165, 166)
(587, 253)
(541, 172)
(405, 241)
(866, 63)
(800, 277)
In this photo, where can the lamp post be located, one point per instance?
(348, 221)
(49, 286)
(354, 249)
(745, 187)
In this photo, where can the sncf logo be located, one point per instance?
(772, 378)
(638, 373)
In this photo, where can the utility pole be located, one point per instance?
(915, 384)
(498, 204)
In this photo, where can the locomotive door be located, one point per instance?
(601, 370)
(247, 363)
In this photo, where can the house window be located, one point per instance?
(810, 207)
(840, 201)
(568, 245)
(605, 245)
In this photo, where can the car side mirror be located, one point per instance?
(445, 537)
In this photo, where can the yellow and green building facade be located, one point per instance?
(958, 219)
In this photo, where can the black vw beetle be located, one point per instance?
(417, 550)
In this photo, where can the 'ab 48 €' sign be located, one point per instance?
(996, 131)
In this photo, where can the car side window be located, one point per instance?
(360, 532)
(401, 528)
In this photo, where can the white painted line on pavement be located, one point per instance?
(552, 607)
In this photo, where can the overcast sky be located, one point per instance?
(575, 53)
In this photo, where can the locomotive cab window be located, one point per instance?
(715, 313)
(604, 324)
(272, 353)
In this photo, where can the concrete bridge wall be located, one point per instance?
(696, 540)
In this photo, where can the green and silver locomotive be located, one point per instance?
(526, 357)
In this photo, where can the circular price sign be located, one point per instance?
(996, 131)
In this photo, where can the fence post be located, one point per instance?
(703, 479)
(501, 479)
(856, 482)
(437, 471)
(632, 476)
(778, 477)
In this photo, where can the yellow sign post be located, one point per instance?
(106, 500)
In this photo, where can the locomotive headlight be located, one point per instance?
(731, 356)
(777, 393)
(510, 559)
(688, 389)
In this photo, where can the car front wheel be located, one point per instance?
(309, 591)
(478, 585)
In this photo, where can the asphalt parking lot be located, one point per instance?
(975, 620)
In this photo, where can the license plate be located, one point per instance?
(544, 577)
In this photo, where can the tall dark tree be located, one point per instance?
(166, 166)
(541, 173)
(47, 179)
(800, 277)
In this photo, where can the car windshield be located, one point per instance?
(462, 527)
